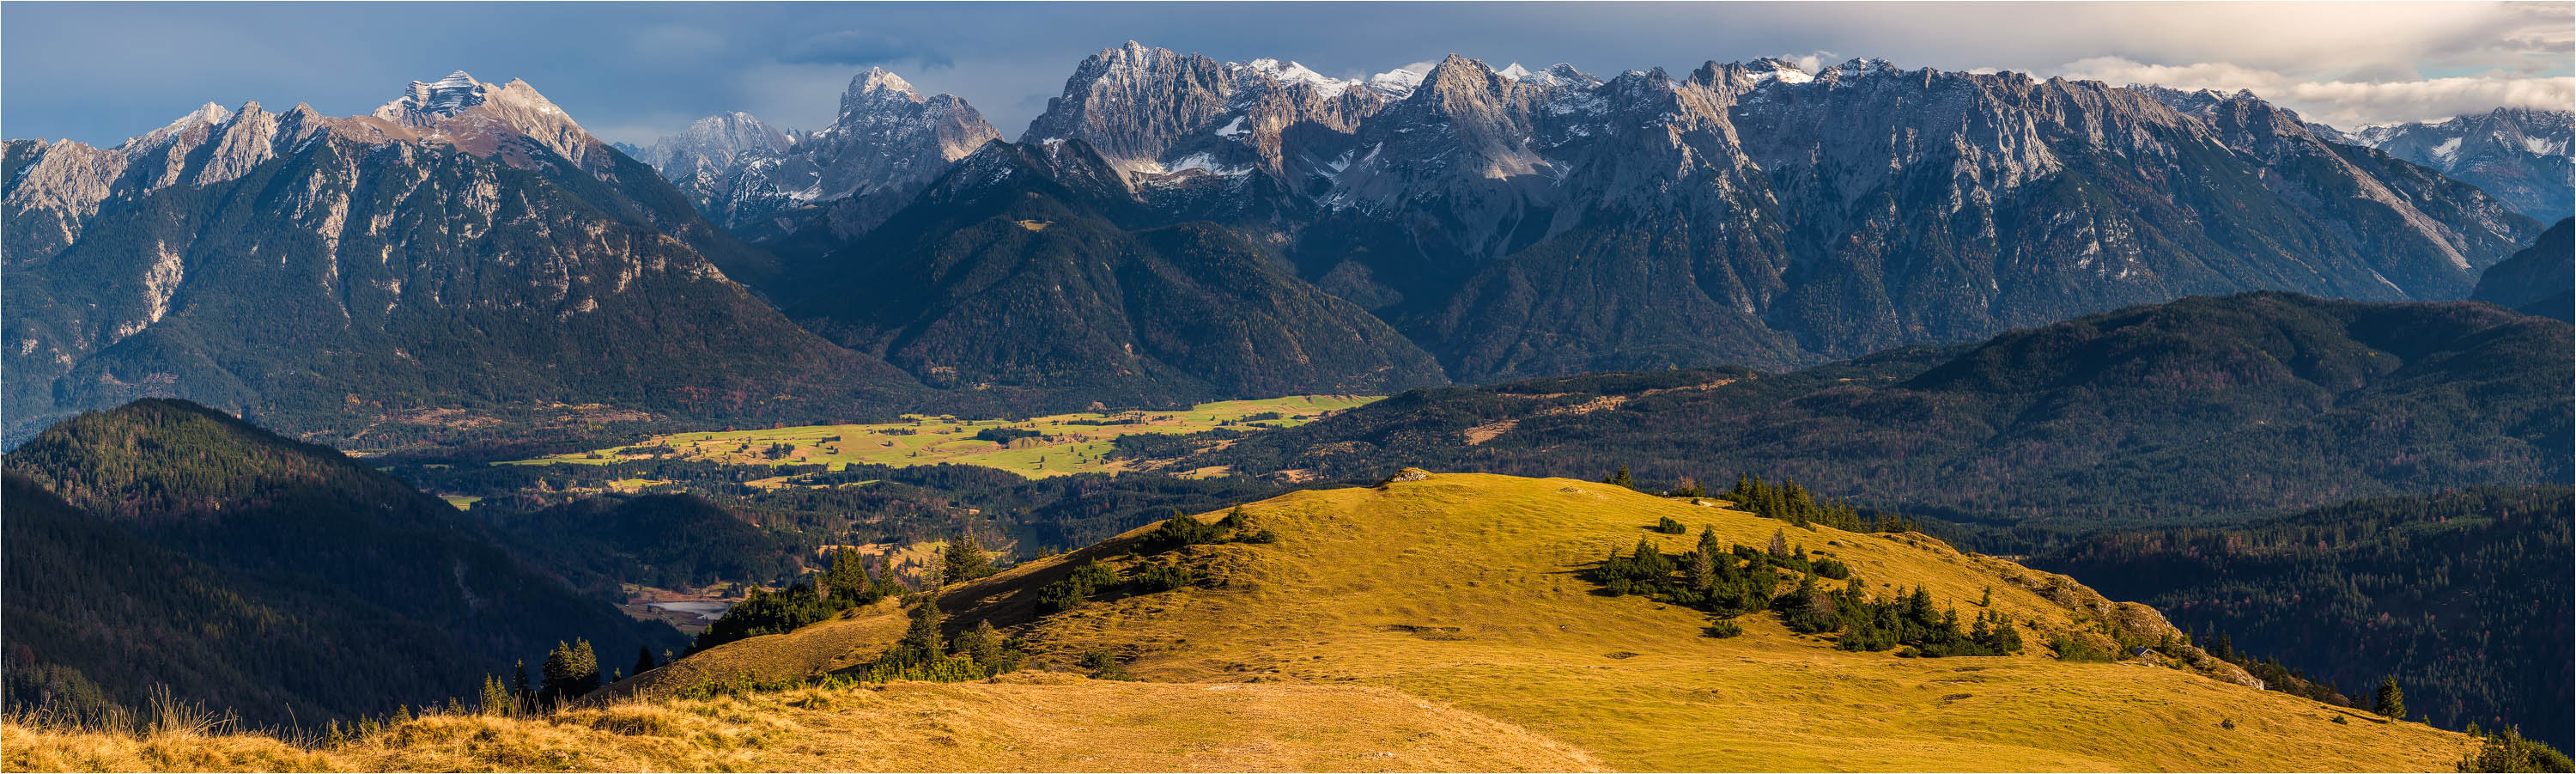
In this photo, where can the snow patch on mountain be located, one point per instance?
(1398, 83)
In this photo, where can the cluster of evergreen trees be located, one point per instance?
(1729, 580)
(925, 654)
(2508, 751)
(1789, 502)
(1179, 531)
(1907, 620)
(847, 584)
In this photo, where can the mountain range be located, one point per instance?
(1171, 229)
(466, 248)
(2524, 157)
(1518, 223)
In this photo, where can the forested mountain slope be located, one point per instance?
(2539, 280)
(2463, 596)
(164, 543)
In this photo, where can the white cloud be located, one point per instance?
(2340, 102)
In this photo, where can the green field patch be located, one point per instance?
(1054, 445)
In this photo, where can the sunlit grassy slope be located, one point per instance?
(1429, 624)
(1023, 722)
(1461, 589)
(1070, 443)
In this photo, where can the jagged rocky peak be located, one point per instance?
(481, 118)
(205, 116)
(1775, 69)
(714, 143)
(423, 104)
(874, 87)
(1133, 102)
(1455, 72)
(1559, 74)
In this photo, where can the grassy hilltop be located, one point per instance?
(1431, 624)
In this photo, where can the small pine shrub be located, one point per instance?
(1723, 629)
(1670, 526)
(1077, 588)
(1163, 577)
(1181, 530)
(2071, 649)
(1103, 666)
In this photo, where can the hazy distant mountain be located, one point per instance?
(2524, 157)
(764, 183)
(466, 246)
(1014, 270)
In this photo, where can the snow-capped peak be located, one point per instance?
(424, 103)
(1294, 73)
(878, 79)
(1559, 74)
(209, 114)
(1776, 69)
(1397, 83)
(1861, 66)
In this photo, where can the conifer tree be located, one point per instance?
(582, 654)
(496, 698)
(1779, 544)
(848, 577)
(1620, 478)
(964, 559)
(519, 680)
(984, 645)
(886, 585)
(2391, 701)
(644, 659)
(922, 644)
(571, 670)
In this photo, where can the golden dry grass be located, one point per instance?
(1461, 589)
(1023, 722)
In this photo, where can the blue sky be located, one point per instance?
(102, 72)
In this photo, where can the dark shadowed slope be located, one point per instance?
(164, 543)
(2162, 412)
